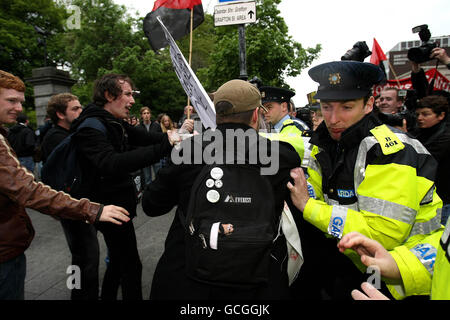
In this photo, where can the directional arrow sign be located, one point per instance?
(234, 13)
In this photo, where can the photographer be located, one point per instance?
(392, 110)
(441, 55)
(418, 78)
(434, 133)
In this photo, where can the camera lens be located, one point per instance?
(421, 54)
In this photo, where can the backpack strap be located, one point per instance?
(94, 123)
(184, 216)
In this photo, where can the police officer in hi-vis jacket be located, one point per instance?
(362, 176)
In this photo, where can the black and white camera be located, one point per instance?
(422, 54)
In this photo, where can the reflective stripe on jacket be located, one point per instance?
(390, 198)
(291, 134)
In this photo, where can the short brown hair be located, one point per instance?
(144, 109)
(58, 103)
(436, 103)
(393, 89)
(10, 81)
(111, 83)
(223, 114)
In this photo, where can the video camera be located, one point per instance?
(257, 82)
(422, 54)
(409, 98)
(392, 119)
(359, 52)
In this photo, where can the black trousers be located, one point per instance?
(124, 268)
(83, 244)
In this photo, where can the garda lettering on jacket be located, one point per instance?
(336, 226)
(345, 193)
(337, 221)
(426, 253)
(311, 191)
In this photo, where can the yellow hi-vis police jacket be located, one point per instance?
(382, 187)
(425, 268)
(291, 134)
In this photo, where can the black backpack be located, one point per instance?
(62, 169)
(231, 226)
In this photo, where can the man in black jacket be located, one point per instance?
(81, 238)
(434, 133)
(109, 161)
(62, 109)
(23, 141)
(149, 126)
(237, 105)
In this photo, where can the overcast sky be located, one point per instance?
(337, 25)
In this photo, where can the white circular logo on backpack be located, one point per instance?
(216, 173)
(213, 196)
(218, 184)
(210, 183)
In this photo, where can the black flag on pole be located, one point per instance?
(176, 16)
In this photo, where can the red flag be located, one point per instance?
(176, 16)
(377, 54)
(176, 4)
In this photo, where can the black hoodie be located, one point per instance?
(437, 141)
(22, 140)
(108, 160)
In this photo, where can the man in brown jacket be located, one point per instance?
(19, 190)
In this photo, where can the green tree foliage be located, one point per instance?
(19, 48)
(105, 31)
(110, 40)
(272, 54)
(154, 77)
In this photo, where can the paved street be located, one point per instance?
(49, 257)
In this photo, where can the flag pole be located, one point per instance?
(393, 71)
(190, 54)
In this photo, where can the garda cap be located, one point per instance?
(270, 94)
(242, 95)
(345, 80)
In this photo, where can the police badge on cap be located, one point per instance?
(345, 80)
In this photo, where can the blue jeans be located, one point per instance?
(445, 213)
(28, 163)
(156, 166)
(147, 173)
(12, 278)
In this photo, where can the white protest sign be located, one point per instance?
(193, 88)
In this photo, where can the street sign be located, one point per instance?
(234, 13)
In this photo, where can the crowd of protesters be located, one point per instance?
(361, 181)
